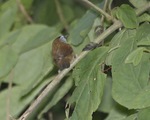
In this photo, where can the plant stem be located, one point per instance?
(24, 12)
(61, 15)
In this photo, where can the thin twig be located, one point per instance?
(108, 17)
(104, 8)
(9, 96)
(61, 15)
(24, 12)
(117, 24)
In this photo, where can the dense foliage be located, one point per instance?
(111, 82)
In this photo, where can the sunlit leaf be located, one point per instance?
(130, 83)
(127, 15)
(88, 93)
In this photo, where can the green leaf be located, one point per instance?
(107, 101)
(144, 17)
(34, 36)
(8, 59)
(117, 41)
(7, 16)
(84, 23)
(17, 104)
(32, 66)
(143, 36)
(118, 113)
(127, 15)
(92, 34)
(130, 83)
(144, 114)
(131, 117)
(45, 12)
(135, 57)
(138, 3)
(144, 42)
(80, 47)
(60, 93)
(9, 38)
(88, 93)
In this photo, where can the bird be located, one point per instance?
(62, 53)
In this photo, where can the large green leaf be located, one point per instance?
(29, 37)
(8, 59)
(28, 75)
(83, 24)
(144, 114)
(127, 15)
(32, 67)
(34, 36)
(7, 16)
(90, 81)
(130, 83)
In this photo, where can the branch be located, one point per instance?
(61, 16)
(108, 17)
(24, 12)
(117, 24)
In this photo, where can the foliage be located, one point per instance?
(122, 91)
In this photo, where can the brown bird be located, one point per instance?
(62, 53)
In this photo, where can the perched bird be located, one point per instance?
(62, 53)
